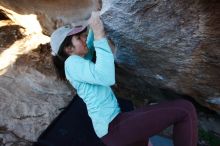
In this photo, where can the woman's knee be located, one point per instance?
(187, 106)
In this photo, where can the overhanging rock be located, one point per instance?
(47, 15)
(170, 44)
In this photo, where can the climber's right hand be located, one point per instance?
(97, 26)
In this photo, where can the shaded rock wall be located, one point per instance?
(169, 44)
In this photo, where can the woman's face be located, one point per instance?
(79, 44)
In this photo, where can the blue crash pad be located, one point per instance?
(161, 141)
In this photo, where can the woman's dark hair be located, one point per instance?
(61, 57)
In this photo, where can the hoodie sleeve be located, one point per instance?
(102, 72)
(90, 45)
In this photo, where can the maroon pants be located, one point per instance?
(135, 127)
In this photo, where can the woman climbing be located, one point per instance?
(73, 52)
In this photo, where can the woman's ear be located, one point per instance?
(69, 50)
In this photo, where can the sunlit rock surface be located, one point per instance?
(30, 101)
(30, 94)
(47, 15)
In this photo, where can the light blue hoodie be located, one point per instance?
(92, 82)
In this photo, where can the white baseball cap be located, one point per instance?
(61, 33)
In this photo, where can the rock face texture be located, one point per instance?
(33, 104)
(30, 94)
(48, 15)
(169, 44)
